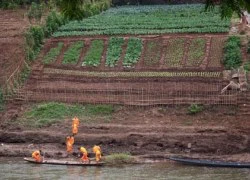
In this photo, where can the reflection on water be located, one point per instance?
(18, 169)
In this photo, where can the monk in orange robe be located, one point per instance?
(97, 151)
(84, 152)
(69, 143)
(37, 156)
(75, 125)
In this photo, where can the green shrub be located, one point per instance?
(35, 35)
(232, 53)
(194, 109)
(119, 158)
(53, 22)
(35, 12)
(34, 40)
(93, 8)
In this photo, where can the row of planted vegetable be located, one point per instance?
(149, 20)
(204, 74)
(176, 52)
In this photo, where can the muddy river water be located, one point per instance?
(16, 168)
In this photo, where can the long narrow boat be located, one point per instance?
(210, 163)
(64, 162)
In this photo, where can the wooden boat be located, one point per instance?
(210, 163)
(64, 162)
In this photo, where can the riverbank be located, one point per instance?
(151, 133)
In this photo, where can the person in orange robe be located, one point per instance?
(75, 125)
(69, 143)
(84, 152)
(97, 151)
(37, 156)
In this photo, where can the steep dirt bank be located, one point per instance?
(12, 27)
(149, 132)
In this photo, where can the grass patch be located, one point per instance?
(46, 114)
(52, 54)
(119, 158)
(99, 109)
(72, 55)
(93, 57)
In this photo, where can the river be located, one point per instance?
(16, 168)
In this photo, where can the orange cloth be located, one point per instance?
(75, 125)
(69, 143)
(37, 156)
(97, 151)
(85, 154)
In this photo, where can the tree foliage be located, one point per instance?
(72, 9)
(228, 7)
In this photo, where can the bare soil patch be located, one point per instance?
(12, 27)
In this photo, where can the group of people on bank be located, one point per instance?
(70, 140)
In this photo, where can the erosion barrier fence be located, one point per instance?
(140, 94)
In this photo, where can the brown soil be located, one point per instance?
(155, 132)
(12, 26)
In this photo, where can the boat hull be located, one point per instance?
(209, 163)
(61, 162)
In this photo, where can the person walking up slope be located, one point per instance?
(75, 125)
(69, 143)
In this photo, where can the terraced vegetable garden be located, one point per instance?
(138, 53)
(127, 55)
(148, 20)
